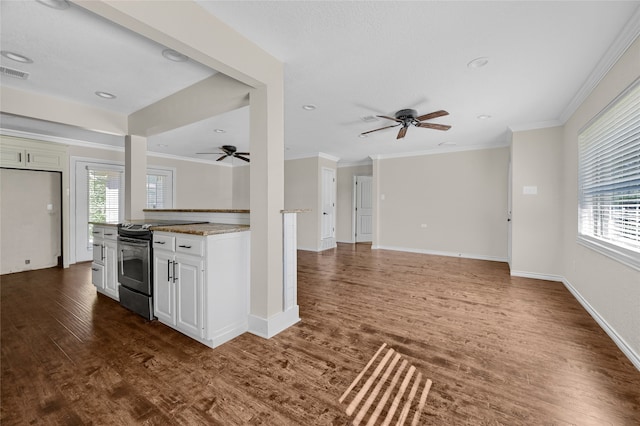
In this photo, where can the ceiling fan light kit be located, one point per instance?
(407, 117)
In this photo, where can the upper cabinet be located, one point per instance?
(20, 153)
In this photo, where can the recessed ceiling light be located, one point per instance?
(478, 62)
(105, 95)
(172, 55)
(484, 117)
(16, 57)
(219, 131)
(55, 4)
(309, 107)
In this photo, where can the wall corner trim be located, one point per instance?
(269, 327)
(619, 341)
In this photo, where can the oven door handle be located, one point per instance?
(134, 242)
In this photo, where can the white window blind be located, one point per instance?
(105, 187)
(609, 179)
(159, 189)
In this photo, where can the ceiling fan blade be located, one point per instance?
(242, 153)
(389, 118)
(222, 157)
(381, 128)
(209, 153)
(242, 158)
(434, 126)
(402, 132)
(431, 115)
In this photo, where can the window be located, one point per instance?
(104, 196)
(159, 189)
(609, 180)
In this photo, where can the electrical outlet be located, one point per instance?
(26, 262)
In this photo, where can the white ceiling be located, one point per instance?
(350, 59)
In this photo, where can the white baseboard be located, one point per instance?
(269, 327)
(619, 341)
(441, 253)
(536, 276)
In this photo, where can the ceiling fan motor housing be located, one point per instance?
(407, 116)
(229, 148)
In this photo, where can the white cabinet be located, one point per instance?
(201, 284)
(104, 269)
(23, 154)
(177, 285)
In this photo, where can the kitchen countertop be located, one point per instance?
(198, 210)
(114, 224)
(202, 228)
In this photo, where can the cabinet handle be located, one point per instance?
(96, 245)
(174, 272)
(97, 232)
(184, 246)
(159, 242)
(95, 269)
(102, 251)
(28, 158)
(19, 157)
(108, 234)
(168, 270)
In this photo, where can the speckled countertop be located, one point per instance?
(114, 224)
(202, 228)
(198, 210)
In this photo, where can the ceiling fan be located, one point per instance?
(407, 117)
(228, 151)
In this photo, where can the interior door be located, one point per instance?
(328, 206)
(364, 209)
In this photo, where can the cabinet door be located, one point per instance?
(163, 287)
(111, 269)
(189, 295)
(97, 276)
(43, 159)
(11, 156)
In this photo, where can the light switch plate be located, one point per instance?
(530, 190)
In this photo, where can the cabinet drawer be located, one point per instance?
(190, 245)
(110, 233)
(97, 232)
(164, 242)
(97, 275)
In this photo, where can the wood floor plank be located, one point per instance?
(498, 350)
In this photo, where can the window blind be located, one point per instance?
(609, 176)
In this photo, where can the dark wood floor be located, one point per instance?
(499, 350)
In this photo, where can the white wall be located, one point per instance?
(609, 288)
(344, 203)
(241, 187)
(28, 230)
(199, 185)
(536, 158)
(301, 192)
(461, 197)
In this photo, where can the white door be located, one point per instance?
(328, 221)
(163, 287)
(111, 268)
(189, 295)
(364, 209)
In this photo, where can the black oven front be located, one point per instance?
(134, 273)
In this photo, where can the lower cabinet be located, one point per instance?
(178, 291)
(104, 269)
(201, 284)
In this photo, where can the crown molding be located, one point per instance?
(57, 139)
(441, 150)
(627, 36)
(365, 162)
(535, 126)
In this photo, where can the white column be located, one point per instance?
(135, 187)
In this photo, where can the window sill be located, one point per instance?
(624, 256)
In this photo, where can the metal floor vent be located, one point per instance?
(14, 73)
